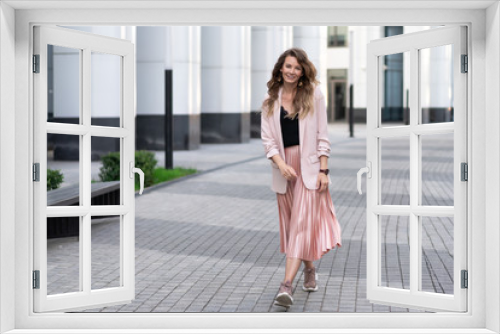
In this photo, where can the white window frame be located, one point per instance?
(484, 235)
(86, 44)
(414, 210)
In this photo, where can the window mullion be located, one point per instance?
(85, 159)
(85, 249)
(85, 232)
(414, 171)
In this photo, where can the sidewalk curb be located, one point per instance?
(183, 178)
(187, 177)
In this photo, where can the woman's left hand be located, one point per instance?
(322, 183)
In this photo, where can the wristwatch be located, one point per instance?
(326, 171)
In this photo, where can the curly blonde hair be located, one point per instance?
(304, 98)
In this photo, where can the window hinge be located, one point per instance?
(465, 279)
(36, 172)
(36, 279)
(465, 171)
(465, 64)
(36, 63)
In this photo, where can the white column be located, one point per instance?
(186, 64)
(406, 61)
(262, 64)
(361, 37)
(64, 67)
(314, 41)
(65, 84)
(129, 33)
(226, 88)
(106, 82)
(105, 107)
(436, 83)
(268, 43)
(153, 58)
(441, 76)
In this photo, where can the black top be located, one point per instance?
(289, 129)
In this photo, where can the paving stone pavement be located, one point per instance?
(210, 243)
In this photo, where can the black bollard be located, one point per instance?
(169, 128)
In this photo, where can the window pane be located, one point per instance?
(337, 36)
(394, 76)
(437, 254)
(395, 171)
(63, 84)
(331, 36)
(63, 170)
(342, 36)
(107, 168)
(395, 251)
(63, 255)
(106, 246)
(437, 169)
(106, 89)
(436, 84)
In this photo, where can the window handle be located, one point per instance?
(368, 171)
(141, 175)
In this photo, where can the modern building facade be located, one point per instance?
(206, 84)
(346, 65)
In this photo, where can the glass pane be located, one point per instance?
(437, 254)
(63, 170)
(395, 170)
(394, 89)
(342, 33)
(63, 84)
(437, 169)
(63, 255)
(436, 84)
(395, 251)
(106, 252)
(106, 89)
(106, 171)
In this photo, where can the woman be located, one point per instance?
(295, 137)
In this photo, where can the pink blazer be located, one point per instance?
(314, 142)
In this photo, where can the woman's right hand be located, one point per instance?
(287, 171)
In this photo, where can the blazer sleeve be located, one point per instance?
(266, 133)
(323, 145)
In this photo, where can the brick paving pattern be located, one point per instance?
(210, 243)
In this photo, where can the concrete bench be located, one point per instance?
(102, 193)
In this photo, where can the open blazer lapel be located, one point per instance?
(302, 133)
(277, 123)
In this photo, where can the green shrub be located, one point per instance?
(54, 178)
(146, 161)
(110, 170)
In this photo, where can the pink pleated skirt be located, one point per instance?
(308, 224)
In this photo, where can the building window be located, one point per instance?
(394, 79)
(337, 85)
(337, 36)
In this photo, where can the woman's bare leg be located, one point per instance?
(291, 268)
(308, 264)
